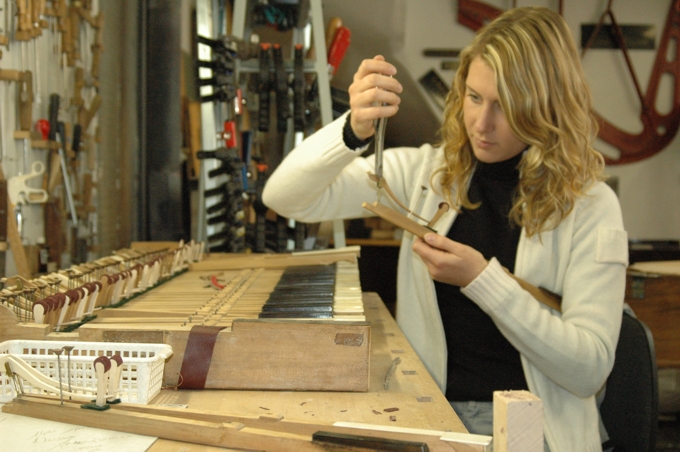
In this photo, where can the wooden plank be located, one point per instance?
(235, 431)
(397, 219)
(290, 356)
(270, 261)
(192, 431)
(517, 422)
(265, 354)
(153, 246)
(11, 329)
(657, 267)
(654, 299)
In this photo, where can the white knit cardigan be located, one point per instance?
(566, 356)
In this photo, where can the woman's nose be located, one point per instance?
(484, 122)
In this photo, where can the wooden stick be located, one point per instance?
(232, 431)
(443, 208)
(114, 376)
(102, 366)
(397, 219)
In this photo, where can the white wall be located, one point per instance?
(649, 190)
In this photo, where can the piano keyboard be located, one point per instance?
(315, 292)
(318, 292)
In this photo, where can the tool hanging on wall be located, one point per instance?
(264, 87)
(20, 193)
(224, 52)
(3, 227)
(228, 212)
(281, 85)
(14, 237)
(55, 47)
(58, 129)
(299, 89)
(338, 49)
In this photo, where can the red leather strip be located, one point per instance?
(197, 356)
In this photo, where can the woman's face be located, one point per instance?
(488, 129)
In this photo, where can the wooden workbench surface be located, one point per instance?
(411, 391)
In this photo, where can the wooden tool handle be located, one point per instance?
(333, 25)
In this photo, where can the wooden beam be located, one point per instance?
(517, 422)
(234, 431)
(270, 261)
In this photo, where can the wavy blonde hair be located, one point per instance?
(546, 100)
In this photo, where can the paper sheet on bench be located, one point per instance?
(26, 434)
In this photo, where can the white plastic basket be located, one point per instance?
(141, 376)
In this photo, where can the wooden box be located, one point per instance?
(653, 292)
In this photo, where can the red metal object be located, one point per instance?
(338, 48)
(229, 134)
(215, 282)
(474, 14)
(658, 129)
(43, 126)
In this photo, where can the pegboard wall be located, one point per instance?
(49, 101)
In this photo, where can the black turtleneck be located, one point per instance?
(481, 360)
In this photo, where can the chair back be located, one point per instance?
(630, 409)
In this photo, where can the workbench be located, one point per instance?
(401, 395)
(411, 391)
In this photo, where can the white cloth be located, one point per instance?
(566, 357)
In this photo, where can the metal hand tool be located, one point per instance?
(380, 126)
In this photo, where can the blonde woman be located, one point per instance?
(518, 165)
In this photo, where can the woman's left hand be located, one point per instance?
(448, 261)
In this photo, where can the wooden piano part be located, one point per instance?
(321, 348)
(69, 297)
(306, 352)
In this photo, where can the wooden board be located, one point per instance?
(655, 299)
(271, 433)
(270, 261)
(264, 354)
(250, 353)
(11, 328)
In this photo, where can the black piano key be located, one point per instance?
(297, 307)
(302, 292)
(296, 315)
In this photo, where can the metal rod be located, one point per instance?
(68, 349)
(57, 351)
(423, 189)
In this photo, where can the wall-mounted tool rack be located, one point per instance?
(49, 100)
(273, 92)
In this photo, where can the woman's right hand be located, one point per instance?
(373, 94)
